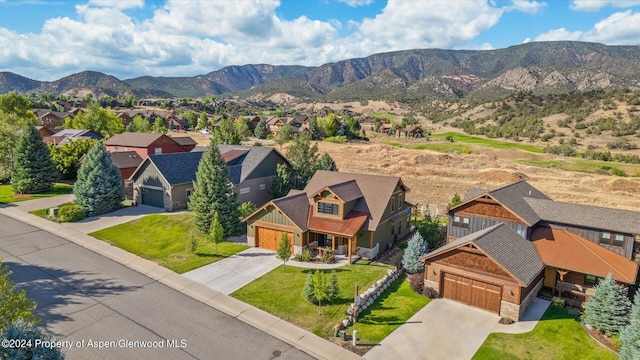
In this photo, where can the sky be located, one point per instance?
(48, 39)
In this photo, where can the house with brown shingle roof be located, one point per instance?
(348, 213)
(578, 245)
(143, 143)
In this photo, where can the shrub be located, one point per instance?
(618, 172)
(29, 334)
(336, 139)
(257, 143)
(305, 255)
(615, 341)
(71, 212)
(557, 302)
(416, 282)
(403, 246)
(328, 257)
(429, 292)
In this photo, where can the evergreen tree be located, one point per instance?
(319, 287)
(99, 186)
(281, 183)
(630, 334)
(28, 333)
(33, 172)
(14, 304)
(314, 129)
(455, 201)
(325, 162)
(308, 290)
(416, 248)
(216, 231)
(261, 130)
(608, 308)
(333, 288)
(284, 250)
(213, 193)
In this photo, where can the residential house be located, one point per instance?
(186, 142)
(65, 135)
(488, 262)
(49, 118)
(348, 213)
(127, 162)
(413, 131)
(167, 181)
(44, 131)
(143, 143)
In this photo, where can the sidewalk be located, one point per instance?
(297, 337)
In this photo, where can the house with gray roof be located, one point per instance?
(166, 180)
(578, 245)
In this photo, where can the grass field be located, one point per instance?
(7, 195)
(496, 144)
(558, 335)
(588, 166)
(394, 307)
(166, 239)
(280, 294)
(439, 147)
(383, 115)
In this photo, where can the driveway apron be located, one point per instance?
(234, 272)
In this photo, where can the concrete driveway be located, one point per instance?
(234, 272)
(446, 329)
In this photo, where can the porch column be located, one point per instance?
(333, 243)
(349, 249)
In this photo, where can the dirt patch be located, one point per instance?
(601, 338)
(359, 349)
(21, 196)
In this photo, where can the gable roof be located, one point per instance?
(502, 244)
(616, 220)
(177, 168)
(346, 191)
(564, 250)
(126, 159)
(511, 197)
(295, 207)
(184, 140)
(376, 191)
(133, 139)
(244, 167)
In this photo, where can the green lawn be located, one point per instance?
(588, 166)
(280, 294)
(383, 115)
(7, 194)
(439, 147)
(558, 335)
(488, 142)
(393, 308)
(166, 239)
(43, 213)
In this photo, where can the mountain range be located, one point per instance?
(542, 67)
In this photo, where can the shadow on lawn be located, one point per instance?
(366, 318)
(199, 254)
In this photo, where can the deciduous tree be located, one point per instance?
(97, 119)
(159, 126)
(226, 133)
(281, 183)
(284, 250)
(34, 172)
(216, 231)
(14, 304)
(66, 157)
(213, 193)
(15, 114)
(99, 186)
(139, 124)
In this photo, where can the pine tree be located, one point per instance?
(308, 292)
(34, 172)
(630, 334)
(608, 308)
(314, 129)
(319, 287)
(284, 250)
(325, 162)
(333, 288)
(213, 193)
(455, 201)
(216, 231)
(28, 334)
(416, 248)
(261, 130)
(99, 186)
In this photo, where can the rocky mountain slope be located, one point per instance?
(546, 67)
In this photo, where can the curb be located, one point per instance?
(261, 320)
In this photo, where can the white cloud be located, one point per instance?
(118, 4)
(595, 5)
(618, 29)
(356, 3)
(560, 34)
(529, 7)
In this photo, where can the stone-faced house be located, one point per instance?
(143, 143)
(577, 245)
(349, 213)
(167, 180)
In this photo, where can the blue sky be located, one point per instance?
(50, 39)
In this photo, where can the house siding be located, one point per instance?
(150, 176)
(593, 235)
(272, 216)
(255, 195)
(179, 196)
(477, 223)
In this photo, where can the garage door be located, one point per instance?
(472, 292)
(153, 197)
(269, 238)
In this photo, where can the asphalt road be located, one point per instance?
(108, 311)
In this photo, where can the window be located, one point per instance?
(591, 280)
(456, 221)
(189, 192)
(158, 151)
(618, 240)
(327, 208)
(115, 149)
(262, 186)
(393, 202)
(245, 190)
(461, 222)
(465, 223)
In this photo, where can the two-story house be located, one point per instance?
(348, 213)
(505, 245)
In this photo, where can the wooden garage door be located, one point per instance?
(472, 292)
(269, 238)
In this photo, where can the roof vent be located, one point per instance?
(529, 192)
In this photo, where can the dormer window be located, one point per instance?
(327, 208)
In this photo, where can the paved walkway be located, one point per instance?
(43, 203)
(117, 217)
(446, 329)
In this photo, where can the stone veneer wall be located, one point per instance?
(432, 285)
(251, 241)
(515, 311)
